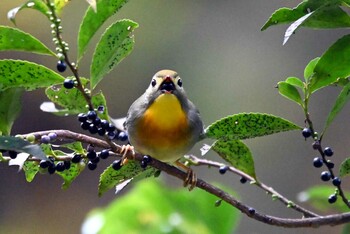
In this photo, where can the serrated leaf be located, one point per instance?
(75, 146)
(294, 26)
(73, 101)
(309, 69)
(155, 208)
(248, 125)
(295, 81)
(342, 99)
(333, 64)
(289, 91)
(115, 44)
(110, 177)
(47, 149)
(70, 174)
(30, 169)
(28, 75)
(344, 169)
(20, 145)
(15, 39)
(317, 197)
(10, 107)
(237, 154)
(92, 21)
(38, 5)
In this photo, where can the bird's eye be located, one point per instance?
(179, 82)
(153, 82)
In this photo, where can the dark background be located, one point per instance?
(228, 66)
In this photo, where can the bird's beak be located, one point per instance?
(167, 86)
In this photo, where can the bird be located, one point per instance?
(163, 123)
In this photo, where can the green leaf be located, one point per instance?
(115, 44)
(110, 177)
(342, 99)
(344, 169)
(317, 197)
(248, 125)
(15, 39)
(59, 4)
(10, 107)
(73, 101)
(333, 64)
(24, 74)
(237, 154)
(157, 209)
(294, 26)
(289, 91)
(70, 174)
(38, 5)
(295, 81)
(92, 21)
(309, 69)
(30, 169)
(20, 145)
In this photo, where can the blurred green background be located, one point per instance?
(228, 66)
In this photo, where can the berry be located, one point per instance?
(104, 124)
(147, 159)
(316, 145)
(53, 136)
(92, 115)
(97, 121)
(101, 131)
(44, 164)
(223, 169)
(243, 180)
(332, 198)
(336, 181)
(76, 158)
(328, 151)
(92, 166)
(67, 165)
(95, 160)
(51, 169)
(318, 162)
(68, 83)
(93, 129)
(60, 166)
(307, 132)
(251, 211)
(143, 164)
(110, 128)
(123, 136)
(104, 154)
(91, 155)
(13, 154)
(82, 117)
(45, 139)
(61, 66)
(101, 109)
(116, 165)
(85, 125)
(330, 164)
(111, 135)
(325, 176)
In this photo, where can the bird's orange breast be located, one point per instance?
(163, 130)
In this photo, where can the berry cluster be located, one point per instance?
(51, 167)
(46, 139)
(91, 122)
(94, 157)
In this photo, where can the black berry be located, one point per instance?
(330, 164)
(85, 125)
(251, 211)
(93, 129)
(328, 151)
(116, 165)
(223, 169)
(76, 158)
(92, 115)
(243, 180)
(325, 176)
(67, 164)
(111, 135)
(12, 154)
(123, 136)
(82, 117)
(68, 83)
(97, 121)
(92, 166)
(307, 132)
(60, 166)
(44, 164)
(104, 124)
(318, 162)
(91, 155)
(147, 159)
(143, 164)
(336, 181)
(332, 198)
(110, 128)
(96, 160)
(101, 131)
(61, 66)
(51, 169)
(104, 154)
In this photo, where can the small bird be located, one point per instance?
(163, 123)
